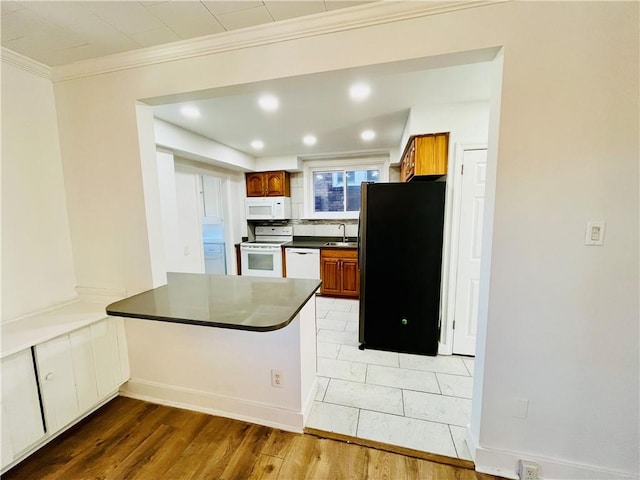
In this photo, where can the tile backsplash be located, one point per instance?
(318, 228)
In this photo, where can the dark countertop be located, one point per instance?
(225, 301)
(316, 242)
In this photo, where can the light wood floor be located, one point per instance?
(131, 439)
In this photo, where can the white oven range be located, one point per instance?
(263, 257)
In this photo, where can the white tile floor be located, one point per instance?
(411, 401)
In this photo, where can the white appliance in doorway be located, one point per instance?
(263, 257)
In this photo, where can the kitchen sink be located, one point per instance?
(341, 244)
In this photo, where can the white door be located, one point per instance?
(469, 248)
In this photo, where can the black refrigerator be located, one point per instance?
(400, 260)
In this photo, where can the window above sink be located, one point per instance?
(332, 187)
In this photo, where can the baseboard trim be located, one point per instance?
(408, 452)
(505, 464)
(307, 406)
(212, 404)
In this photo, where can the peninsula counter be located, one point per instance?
(216, 341)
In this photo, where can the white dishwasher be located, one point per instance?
(302, 262)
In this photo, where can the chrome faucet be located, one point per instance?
(344, 232)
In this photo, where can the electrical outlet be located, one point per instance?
(528, 470)
(276, 378)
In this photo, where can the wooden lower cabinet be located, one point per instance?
(339, 272)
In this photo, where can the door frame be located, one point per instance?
(450, 268)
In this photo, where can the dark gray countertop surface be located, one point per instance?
(224, 301)
(316, 242)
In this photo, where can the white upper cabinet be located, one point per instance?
(21, 417)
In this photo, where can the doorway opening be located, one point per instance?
(443, 376)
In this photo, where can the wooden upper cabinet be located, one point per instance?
(278, 184)
(425, 155)
(255, 184)
(268, 184)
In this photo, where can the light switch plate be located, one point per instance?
(595, 233)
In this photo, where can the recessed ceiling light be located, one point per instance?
(190, 111)
(359, 91)
(368, 135)
(309, 140)
(268, 103)
(257, 144)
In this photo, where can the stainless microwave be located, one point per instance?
(268, 208)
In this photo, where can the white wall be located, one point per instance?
(37, 264)
(561, 324)
(204, 156)
(466, 122)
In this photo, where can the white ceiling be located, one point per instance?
(320, 105)
(62, 32)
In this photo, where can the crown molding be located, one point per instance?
(25, 63)
(369, 14)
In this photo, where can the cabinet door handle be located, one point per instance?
(50, 376)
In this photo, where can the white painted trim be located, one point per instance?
(505, 464)
(307, 405)
(374, 13)
(449, 288)
(25, 63)
(229, 220)
(213, 404)
(471, 441)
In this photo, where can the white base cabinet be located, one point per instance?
(21, 416)
(76, 372)
(57, 382)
